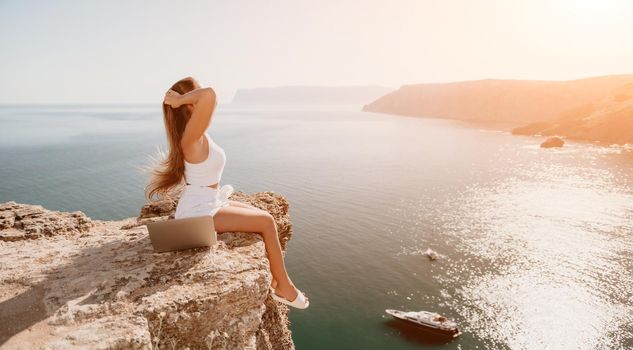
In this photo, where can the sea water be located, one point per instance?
(535, 245)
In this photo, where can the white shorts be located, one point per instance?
(202, 200)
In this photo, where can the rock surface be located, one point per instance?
(608, 122)
(67, 281)
(553, 142)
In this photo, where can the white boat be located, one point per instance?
(430, 321)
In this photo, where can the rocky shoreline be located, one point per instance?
(68, 281)
(595, 109)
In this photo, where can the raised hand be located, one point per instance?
(172, 98)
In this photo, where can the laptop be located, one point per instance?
(185, 233)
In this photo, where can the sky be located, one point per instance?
(122, 52)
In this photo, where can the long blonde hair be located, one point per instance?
(167, 171)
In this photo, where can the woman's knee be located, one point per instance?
(267, 220)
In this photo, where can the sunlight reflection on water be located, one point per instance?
(542, 266)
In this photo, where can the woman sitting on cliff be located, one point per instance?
(195, 158)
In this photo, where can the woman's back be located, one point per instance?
(209, 171)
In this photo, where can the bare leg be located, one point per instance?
(248, 206)
(242, 205)
(236, 218)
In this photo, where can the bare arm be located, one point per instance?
(195, 95)
(203, 101)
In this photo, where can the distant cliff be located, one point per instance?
(609, 121)
(588, 109)
(309, 95)
(68, 281)
(519, 101)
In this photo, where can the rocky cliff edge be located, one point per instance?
(68, 281)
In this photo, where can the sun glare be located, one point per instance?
(594, 14)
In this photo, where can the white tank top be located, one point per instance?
(209, 171)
